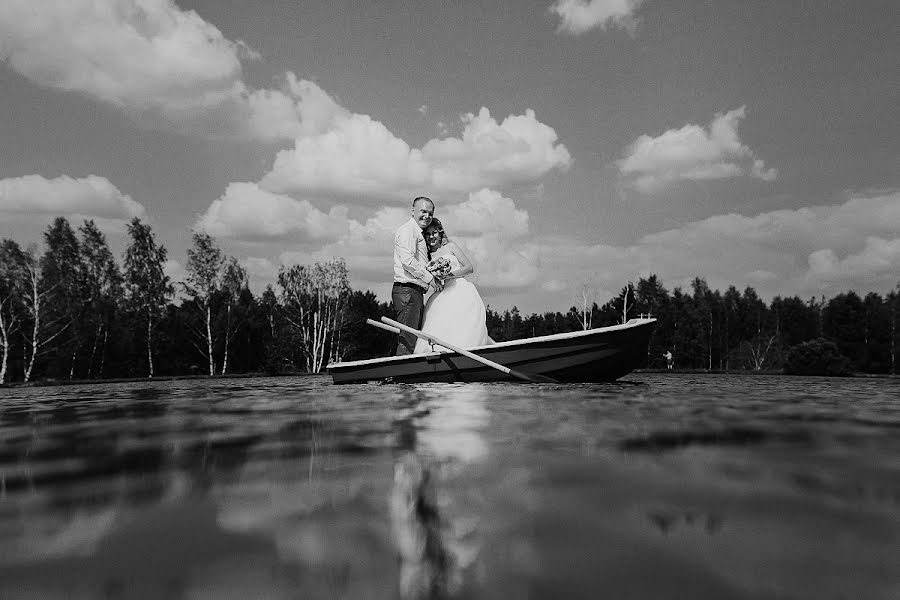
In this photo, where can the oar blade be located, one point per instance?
(531, 377)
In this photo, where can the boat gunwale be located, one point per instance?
(632, 323)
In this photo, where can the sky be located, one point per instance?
(570, 146)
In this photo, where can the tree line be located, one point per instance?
(74, 312)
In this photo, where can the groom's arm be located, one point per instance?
(405, 250)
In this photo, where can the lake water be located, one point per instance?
(658, 486)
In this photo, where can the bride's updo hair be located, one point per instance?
(436, 224)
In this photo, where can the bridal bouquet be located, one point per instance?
(439, 267)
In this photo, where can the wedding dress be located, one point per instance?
(456, 314)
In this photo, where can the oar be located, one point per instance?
(382, 326)
(530, 377)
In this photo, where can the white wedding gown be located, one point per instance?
(456, 314)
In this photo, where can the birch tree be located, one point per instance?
(12, 280)
(64, 303)
(894, 301)
(588, 299)
(44, 329)
(626, 291)
(147, 287)
(234, 283)
(314, 299)
(103, 292)
(204, 279)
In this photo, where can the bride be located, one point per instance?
(456, 314)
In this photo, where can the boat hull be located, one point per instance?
(580, 357)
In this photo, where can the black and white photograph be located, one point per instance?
(409, 299)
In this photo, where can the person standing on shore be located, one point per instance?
(411, 276)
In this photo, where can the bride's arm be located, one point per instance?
(465, 266)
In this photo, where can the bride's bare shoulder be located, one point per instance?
(447, 249)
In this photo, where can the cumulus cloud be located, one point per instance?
(692, 153)
(486, 211)
(495, 236)
(90, 196)
(358, 156)
(579, 16)
(153, 59)
(554, 285)
(826, 249)
(878, 261)
(175, 270)
(489, 227)
(260, 268)
(247, 212)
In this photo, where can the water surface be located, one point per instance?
(658, 486)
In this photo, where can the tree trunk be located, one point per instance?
(90, 370)
(103, 352)
(209, 344)
(4, 338)
(227, 338)
(893, 336)
(72, 364)
(36, 306)
(149, 343)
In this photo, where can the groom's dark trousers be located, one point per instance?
(409, 304)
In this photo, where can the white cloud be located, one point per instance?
(809, 251)
(494, 234)
(90, 196)
(249, 213)
(485, 211)
(579, 16)
(878, 262)
(261, 268)
(487, 225)
(157, 61)
(302, 108)
(360, 157)
(840, 227)
(554, 285)
(175, 270)
(692, 153)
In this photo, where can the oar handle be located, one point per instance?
(382, 326)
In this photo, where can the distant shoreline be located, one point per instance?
(67, 382)
(737, 372)
(64, 382)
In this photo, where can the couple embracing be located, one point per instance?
(426, 259)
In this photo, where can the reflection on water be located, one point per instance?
(435, 546)
(664, 486)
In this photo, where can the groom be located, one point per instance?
(411, 277)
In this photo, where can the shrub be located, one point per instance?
(816, 357)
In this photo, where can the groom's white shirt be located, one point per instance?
(411, 255)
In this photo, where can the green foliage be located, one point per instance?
(817, 357)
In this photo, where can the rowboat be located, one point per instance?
(593, 355)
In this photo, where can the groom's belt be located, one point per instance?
(414, 286)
